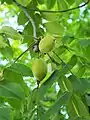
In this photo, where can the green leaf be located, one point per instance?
(62, 4)
(62, 100)
(2, 42)
(22, 19)
(41, 1)
(50, 16)
(84, 43)
(80, 86)
(24, 2)
(9, 1)
(60, 50)
(86, 52)
(7, 52)
(11, 90)
(28, 30)
(5, 114)
(1, 101)
(11, 33)
(38, 19)
(87, 98)
(45, 86)
(72, 61)
(32, 99)
(58, 116)
(81, 71)
(28, 33)
(77, 85)
(68, 38)
(28, 39)
(15, 77)
(54, 28)
(65, 84)
(78, 2)
(14, 102)
(12, 76)
(82, 110)
(70, 2)
(21, 69)
(50, 3)
(71, 110)
(2, 1)
(76, 108)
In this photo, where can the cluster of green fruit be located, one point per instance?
(39, 66)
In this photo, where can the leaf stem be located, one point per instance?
(23, 53)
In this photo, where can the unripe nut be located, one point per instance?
(39, 69)
(46, 44)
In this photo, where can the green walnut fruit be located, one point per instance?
(46, 44)
(39, 69)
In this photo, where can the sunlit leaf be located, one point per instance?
(2, 42)
(24, 2)
(62, 5)
(50, 16)
(10, 32)
(54, 28)
(50, 3)
(7, 52)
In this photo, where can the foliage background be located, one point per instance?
(65, 92)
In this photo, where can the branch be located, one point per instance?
(33, 25)
(61, 11)
(23, 52)
(28, 16)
